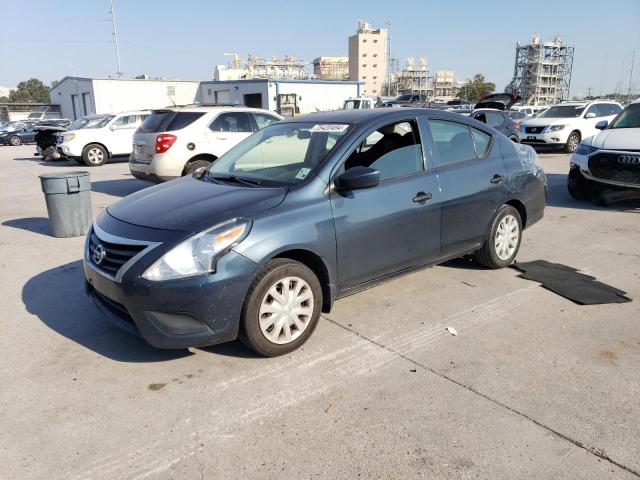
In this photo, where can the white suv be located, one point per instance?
(566, 124)
(101, 137)
(178, 141)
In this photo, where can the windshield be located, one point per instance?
(79, 123)
(562, 111)
(13, 126)
(98, 122)
(351, 105)
(404, 98)
(628, 118)
(280, 154)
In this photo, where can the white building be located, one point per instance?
(78, 96)
(368, 57)
(284, 96)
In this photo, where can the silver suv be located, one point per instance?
(177, 141)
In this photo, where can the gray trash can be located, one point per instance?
(68, 197)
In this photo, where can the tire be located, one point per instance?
(260, 305)
(14, 141)
(491, 254)
(572, 142)
(94, 155)
(582, 188)
(193, 166)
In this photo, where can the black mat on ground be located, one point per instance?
(569, 283)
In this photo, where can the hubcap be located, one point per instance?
(573, 142)
(507, 235)
(286, 310)
(14, 141)
(95, 155)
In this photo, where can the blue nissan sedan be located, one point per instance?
(303, 212)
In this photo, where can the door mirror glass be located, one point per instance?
(601, 125)
(358, 178)
(590, 115)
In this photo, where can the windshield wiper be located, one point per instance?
(234, 179)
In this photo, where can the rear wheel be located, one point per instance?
(15, 141)
(195, 166)
(572, 142)
(281, 309)
(94, 155)
(502, 245)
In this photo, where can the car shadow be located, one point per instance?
(559, 197)
(231, 349)
(467, 262)
(120, 187)
(30, 224)
(57, 298)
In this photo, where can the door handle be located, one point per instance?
(422, 197)
(497, 178)
(221, 138)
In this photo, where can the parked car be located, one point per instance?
(178, 141)
(517, 118)
(101, 137)
(528, 110)
(500, 120)
(608, 160)
(408, 98)
(305, 211)
(566, 124)
(359, 103)
(17, 133)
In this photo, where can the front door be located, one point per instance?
(120, 134)
(227, 130)
(396, 224)
(472, 176)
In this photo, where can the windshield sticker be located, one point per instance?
(329, 127)
(302, 174)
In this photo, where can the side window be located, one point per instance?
(262, 119)
(232, 122)
(592, 109)
(482, 142)
(126, 121)
(494, 119)
(394, 150)
(615, 109)
(453, 142)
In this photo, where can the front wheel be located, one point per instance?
(281, 309)
(15, 141)
(502, 245)
(94, 155)
(572, 142)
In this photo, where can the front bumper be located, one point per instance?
(581, 162)
(548, 139)
(173, 314)
(69, 149)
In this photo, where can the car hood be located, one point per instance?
(617, 139)
(538, 122)
(192, 205)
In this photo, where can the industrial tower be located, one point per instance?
(542, 71)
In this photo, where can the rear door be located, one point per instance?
(472, 176)
(227, 130)
(396, 224)
(119, 134)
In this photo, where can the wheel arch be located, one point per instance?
(201, 156)
(317, 265)
(522, 210)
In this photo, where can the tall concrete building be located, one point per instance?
(331, 68)
(445, 85)
(368, 57)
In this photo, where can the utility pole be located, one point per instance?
(589, 92)
(633, 57)
(115, 37)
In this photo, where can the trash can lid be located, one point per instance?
(78, 173)
(65, 182)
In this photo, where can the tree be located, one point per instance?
(29, 91)
(476, 88)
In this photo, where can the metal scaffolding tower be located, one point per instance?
(542, 71)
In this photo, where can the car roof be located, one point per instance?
(368, 115)
(208, 108)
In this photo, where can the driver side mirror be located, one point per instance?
(590, 115)
(601, 125)
(357, 178)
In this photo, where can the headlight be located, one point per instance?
(584, 149)
(198, 255)
(69, 136)
(555, 128)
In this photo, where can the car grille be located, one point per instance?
(533, 129)
(116, 254)
(616, 167)
(114, 307)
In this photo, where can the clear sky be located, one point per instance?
(185, 39)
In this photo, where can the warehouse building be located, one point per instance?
(287, 97)
(79, 96)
